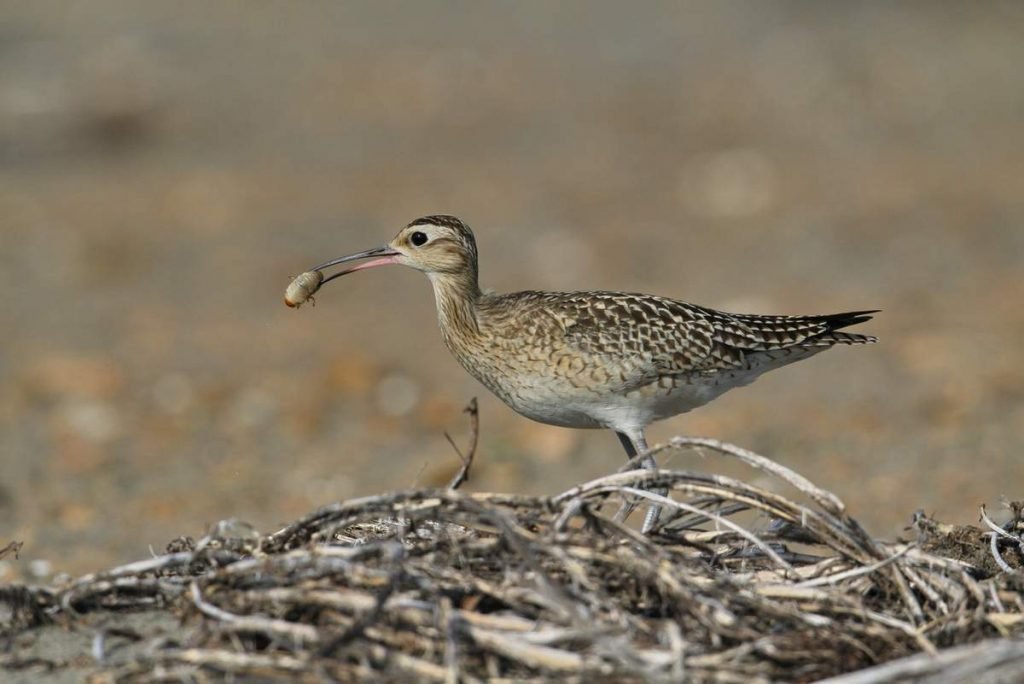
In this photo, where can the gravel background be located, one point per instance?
(165, 168)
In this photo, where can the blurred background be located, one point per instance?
(165, 168)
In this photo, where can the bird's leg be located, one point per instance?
(635, 444)
(627, 506)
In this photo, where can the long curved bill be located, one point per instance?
(305, 285)
(386, 256)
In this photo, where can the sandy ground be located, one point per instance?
(75, 647)
(164, 170)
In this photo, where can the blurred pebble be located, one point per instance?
(737, 183)
(307, 484)
(40, 568)
(61, 579)
(173, 393)
(397, 395)
(234, 528)
(252, 408)
(94, 421)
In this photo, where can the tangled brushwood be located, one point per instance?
(737, 584)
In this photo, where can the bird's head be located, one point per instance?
(436, 245)
(440, 246)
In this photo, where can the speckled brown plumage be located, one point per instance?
(599, 359)
(595, 351)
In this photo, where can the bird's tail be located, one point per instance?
(835, 322)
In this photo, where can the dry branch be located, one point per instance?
(474, 436)
(11, 549)
(445, 586)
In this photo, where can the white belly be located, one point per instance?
(569, 406)
(557, 400)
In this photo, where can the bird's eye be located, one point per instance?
(418, 239)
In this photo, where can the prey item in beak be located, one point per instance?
(303, 288)
(306, 284)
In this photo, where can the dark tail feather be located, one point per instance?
(845, 320)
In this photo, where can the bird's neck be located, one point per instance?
(457, 299)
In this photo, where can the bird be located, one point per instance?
(595, 359)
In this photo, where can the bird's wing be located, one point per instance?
(647, 337)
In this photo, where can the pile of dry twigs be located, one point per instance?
(737, 584)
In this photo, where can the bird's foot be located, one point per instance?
(651, 517)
